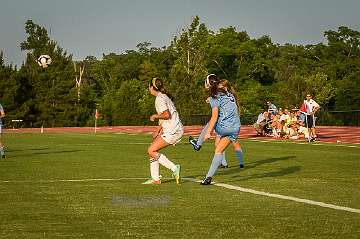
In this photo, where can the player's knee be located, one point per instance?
(151, 152)
(237, 146)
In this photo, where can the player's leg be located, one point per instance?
(154, 156)
(239, 153)
(313, 128)
(224, 163)
(2, 150)
(310, 120)
(197, 143)
(216, 162)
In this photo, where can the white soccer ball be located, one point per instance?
(44, 61)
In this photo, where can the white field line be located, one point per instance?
(228, 186)
(301, 200)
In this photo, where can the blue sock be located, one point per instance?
(240, 156)
(200, 140)
(216, 162)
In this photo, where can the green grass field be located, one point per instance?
(40, 196)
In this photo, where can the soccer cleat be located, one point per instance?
(152, 181)
(3, 156)
(241, 165)
(176, 173)
(193, 142)
(223, 166)
(206, 181)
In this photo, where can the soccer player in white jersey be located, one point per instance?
(311, 108)
(169, 132)
(2, 115)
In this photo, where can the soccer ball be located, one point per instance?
(44, 61)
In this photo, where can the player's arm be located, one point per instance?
(316, 108)
(165, 115)
(212, 121)
(2, 114)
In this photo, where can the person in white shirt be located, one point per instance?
(262, 120)
(272, 109)
(311, 108)
(169, 132)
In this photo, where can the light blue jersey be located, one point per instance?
(228, 123)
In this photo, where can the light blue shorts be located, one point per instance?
(231, 133)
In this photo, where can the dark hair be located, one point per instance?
(158, 85)
(225, 87)
(212, 82)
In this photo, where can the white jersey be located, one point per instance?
(172, 125)
(1, 110)
(310, 106)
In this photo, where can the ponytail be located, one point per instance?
(158, 85)
(211, 84)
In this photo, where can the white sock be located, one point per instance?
(154, 169)
(223, 161)
(164, 161)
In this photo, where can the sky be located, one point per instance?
(97, 27)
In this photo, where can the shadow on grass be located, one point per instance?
(236, 169)
(20, 150)
(44, 153)
(236, 172)
(277, 173)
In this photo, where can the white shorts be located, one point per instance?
(173, 138)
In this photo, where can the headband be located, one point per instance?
(154, 83)
(207, 80)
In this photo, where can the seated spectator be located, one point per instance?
(284, 116)
(291, 132)
(303, 132)
(272, 109)
(275, 124)
(300, 116)
(261, 123)
(291, 120)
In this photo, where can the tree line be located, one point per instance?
(68, 91)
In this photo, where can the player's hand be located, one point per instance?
(153, 118)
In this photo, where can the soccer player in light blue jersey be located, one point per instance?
(2, 115)
(224, 84)
(225, 120)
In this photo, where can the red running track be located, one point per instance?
(348, 135)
